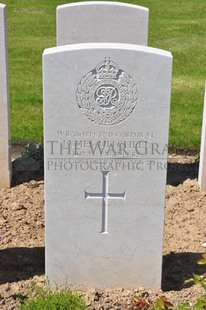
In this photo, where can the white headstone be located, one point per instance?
(101, 21)
(202, 165)
(5, 149)
(106, 118)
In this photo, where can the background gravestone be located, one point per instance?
(202, 166)
(5, 149)
(106, 118)
(115, 22)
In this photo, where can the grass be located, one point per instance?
(47, 300)
(178, 26)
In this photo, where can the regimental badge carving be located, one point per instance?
(107, 95)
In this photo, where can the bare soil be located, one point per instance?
(22, 240)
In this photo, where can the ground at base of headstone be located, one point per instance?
(22, 241)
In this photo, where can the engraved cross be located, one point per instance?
(105, 196)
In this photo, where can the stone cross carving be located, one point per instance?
(105, 196)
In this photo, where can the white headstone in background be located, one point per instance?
(106, 121)
(101, 21)
(202, 165)
(5, 149)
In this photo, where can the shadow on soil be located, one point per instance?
(24, 263)
(178, 267)
(18, 264)
(23, 176)
(177, 173)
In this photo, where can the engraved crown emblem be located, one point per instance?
(107, 69)
(107, 95)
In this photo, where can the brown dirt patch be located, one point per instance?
(22, 243)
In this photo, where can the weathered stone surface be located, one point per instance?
(202, 166)
(5, 149)
(102, 21)
(106, 117)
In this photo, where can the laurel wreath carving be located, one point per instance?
(128, 90)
